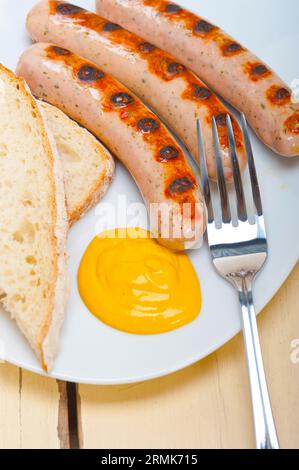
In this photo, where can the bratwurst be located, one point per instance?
(173, 91)
(130, 130)
(220, 61)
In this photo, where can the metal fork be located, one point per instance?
(238, 254)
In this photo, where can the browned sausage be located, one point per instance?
(222, 62)
(130, 130)
(155, 76)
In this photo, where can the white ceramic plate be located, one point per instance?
(92, 352)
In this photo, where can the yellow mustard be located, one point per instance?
(133, 284)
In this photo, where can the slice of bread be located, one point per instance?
(87, 166)
(33, 227)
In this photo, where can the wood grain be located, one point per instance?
(10, 419)
(206, 405)
(29, 411)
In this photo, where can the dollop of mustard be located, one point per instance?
(134, 284)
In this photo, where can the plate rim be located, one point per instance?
(176, 364)
(164, 372)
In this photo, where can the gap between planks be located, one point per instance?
(68, 416)
(36, 412)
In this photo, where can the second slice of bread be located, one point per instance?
(88, 166)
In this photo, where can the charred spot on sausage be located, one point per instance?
(259, 69)
(292, 123)
(180, 185)
(121, 100)
(172, 8)
(282, 94)
(175, 68)
(168, 153)
(278, 96)
(60, 50)
(111, 27)
(146, 47)
(203, 26)
(232, 48)
(202, 92)
(68, 9)
(221, 120)
(88, 73)
(147, 125)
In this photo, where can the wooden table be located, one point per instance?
(204, 406)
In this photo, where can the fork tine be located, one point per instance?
(204, 173)
(252, 170)
(225, 207)
(241, 204)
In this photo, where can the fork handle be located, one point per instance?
(265, 432)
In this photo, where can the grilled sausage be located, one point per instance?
(155, 76)
(224, 64)
(130, 130)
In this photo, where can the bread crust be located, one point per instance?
(99, 189)
(49, 336)
(46, 344)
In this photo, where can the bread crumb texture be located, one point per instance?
(88, 167)
(29, 214)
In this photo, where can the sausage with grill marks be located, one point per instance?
(154, 75)
(222, 62)
(129, 129)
